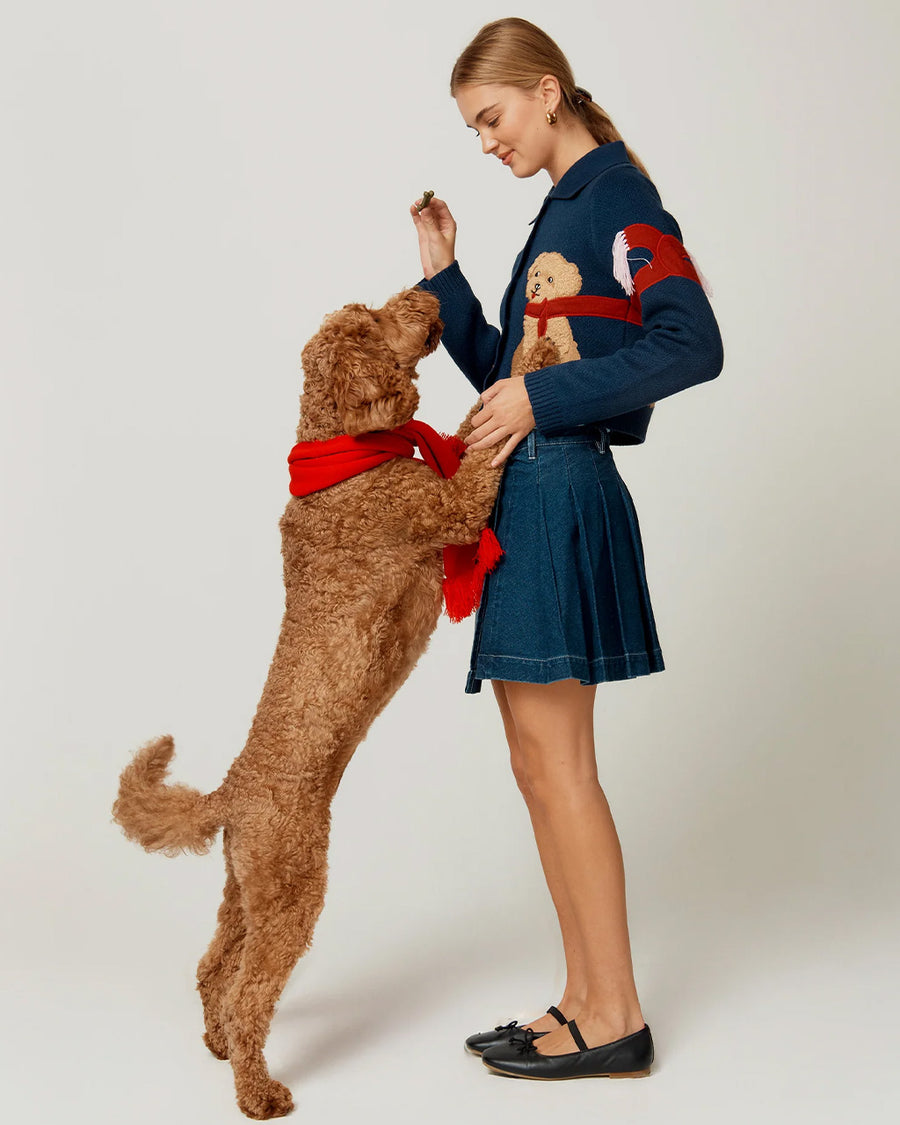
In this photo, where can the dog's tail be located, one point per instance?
(160, 817)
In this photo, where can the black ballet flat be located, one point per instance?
(476, 1043)
(628, 1057)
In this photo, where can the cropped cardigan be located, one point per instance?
(603, 274)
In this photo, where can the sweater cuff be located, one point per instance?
(545, 404)
(446, 283)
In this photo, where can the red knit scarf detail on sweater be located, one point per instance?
(583, 304)
(315, 465)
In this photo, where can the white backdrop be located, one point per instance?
(187, 189)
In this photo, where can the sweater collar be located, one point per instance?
(585, 169)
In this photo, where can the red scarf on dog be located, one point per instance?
(317, 464)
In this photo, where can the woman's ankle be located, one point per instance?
(571, 1004)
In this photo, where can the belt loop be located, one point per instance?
(531, 446)
(604, 440)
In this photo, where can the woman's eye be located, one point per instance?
(493, 124)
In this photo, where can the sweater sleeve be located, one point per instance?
(467, 336)
(681, 344)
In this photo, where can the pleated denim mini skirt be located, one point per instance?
(569, 598)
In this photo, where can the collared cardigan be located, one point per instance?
(648, 332)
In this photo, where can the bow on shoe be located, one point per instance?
(505, 1026)
(523, 1040)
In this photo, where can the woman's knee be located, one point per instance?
(551, 770)
(520, 771)
(550, 733)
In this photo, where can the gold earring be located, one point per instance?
(551, 117)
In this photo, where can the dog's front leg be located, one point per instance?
(468, 424)
(456, 510)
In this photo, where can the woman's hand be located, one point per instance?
(436, 229)
(506, 414)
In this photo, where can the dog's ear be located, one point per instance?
(360, 372)
(355, 369)
(355, 374)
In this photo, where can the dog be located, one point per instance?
(362, 566)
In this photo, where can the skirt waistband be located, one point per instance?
(529, 445)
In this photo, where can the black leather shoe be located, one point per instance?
(628, 1057)
(476, 1043)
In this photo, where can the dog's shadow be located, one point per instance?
(385, 996)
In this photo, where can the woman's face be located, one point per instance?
(511, 123)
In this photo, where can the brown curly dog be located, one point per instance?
(362, 572)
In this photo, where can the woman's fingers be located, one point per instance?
(437, 216)
(437, 234)
(485, 435)
(506, 450)
(424, 237)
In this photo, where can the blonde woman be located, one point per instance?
(605, 314)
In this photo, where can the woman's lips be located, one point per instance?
(509, 156)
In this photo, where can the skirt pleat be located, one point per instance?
(569, 598)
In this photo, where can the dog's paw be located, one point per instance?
(272, 1099)
(543, 354)
(468, 423)
(217, 1044)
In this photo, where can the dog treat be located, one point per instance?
(426, 199)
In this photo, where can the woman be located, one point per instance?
(604, 315)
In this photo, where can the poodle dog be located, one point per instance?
(363, 588)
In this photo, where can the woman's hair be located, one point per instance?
(514, 52)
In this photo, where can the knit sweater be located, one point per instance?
(605, 276)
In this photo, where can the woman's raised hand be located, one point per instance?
(436, 229)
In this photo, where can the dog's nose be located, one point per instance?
(434, 335)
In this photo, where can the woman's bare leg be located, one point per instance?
(555, 736)
(576, 987)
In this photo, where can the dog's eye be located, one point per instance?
(376, 320)
(550, 279)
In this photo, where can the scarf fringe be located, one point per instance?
(704, 284)
(621, 268)
(465, 566)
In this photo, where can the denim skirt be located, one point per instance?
(569, 598)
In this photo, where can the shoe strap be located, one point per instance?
(576, 1035)
(556, 1012)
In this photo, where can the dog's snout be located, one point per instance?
(421, 303)
(427, 306)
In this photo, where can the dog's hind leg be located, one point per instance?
(221, 960)
(282, 900)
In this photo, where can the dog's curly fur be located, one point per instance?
(362, 574)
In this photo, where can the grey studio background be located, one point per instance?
(187, 189)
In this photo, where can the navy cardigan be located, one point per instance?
(604, 274)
